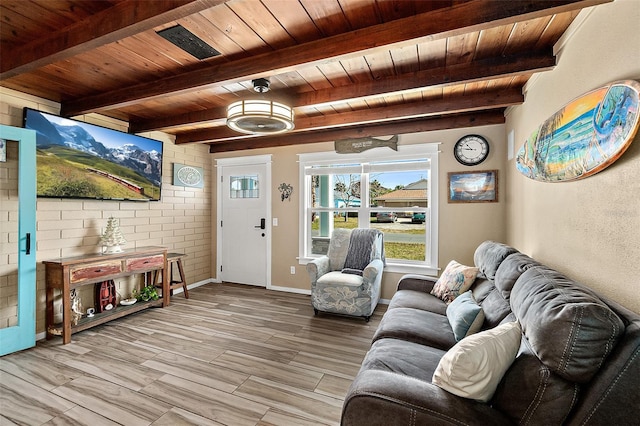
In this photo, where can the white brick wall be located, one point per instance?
(181, 220)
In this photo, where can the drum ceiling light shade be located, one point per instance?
(260, 116)
(257, 116)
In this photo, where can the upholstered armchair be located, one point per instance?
(347, 280)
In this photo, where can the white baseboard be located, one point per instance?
(195, 285)
(290, 290)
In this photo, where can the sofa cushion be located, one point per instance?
(417, 300)
(465, 316)
(455, 280)
(415, 325)
(510, 270)
(495, 309)
(475, 365)
(488, 257)
(495, 304)
(481, 288)
(402, 357)
(530, 393)
(570, 329)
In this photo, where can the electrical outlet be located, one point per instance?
(293, 270)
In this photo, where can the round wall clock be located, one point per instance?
(471, 150)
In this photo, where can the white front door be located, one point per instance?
(244, 228)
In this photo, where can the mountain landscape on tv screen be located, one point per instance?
(72, 163)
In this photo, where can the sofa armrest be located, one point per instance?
(384, 398)
(416, 282)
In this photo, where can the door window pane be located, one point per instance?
(244, 187)
(9, 209)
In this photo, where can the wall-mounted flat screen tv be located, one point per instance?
(81, 160)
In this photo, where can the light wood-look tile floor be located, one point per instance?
(229, 355)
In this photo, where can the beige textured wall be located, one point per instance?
(462, 226)
(588, 229)
(180, 221)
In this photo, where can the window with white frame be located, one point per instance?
(395, 192)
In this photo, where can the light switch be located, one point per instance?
(275, 221)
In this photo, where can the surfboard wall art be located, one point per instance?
(584, 137)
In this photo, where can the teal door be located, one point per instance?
(19, 332)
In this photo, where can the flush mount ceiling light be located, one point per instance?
(260, 116)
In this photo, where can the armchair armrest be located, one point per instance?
(373, 271)
(317, 268)
(416, 282)
(384, 398)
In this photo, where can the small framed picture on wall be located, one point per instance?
(473, 187)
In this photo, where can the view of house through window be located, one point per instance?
(392, 195)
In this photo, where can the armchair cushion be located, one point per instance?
(337, 278)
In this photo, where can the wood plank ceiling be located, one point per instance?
(350, 68)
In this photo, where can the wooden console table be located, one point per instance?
(73, 272)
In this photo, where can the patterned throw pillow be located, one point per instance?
(455, 280)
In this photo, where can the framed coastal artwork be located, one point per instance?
(473, 187)
(584, 137)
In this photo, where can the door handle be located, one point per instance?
(263, 224)
(28, 243)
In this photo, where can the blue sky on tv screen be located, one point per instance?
(108, 137)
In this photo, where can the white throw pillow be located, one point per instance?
(474, 367)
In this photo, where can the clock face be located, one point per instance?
(471, 150)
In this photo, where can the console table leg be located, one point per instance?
(49, 312)
(66, 316)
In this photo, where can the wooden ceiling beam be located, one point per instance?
(459, 19)
(474, 119)
(122, 20)
(491, 68)
(453, 105)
